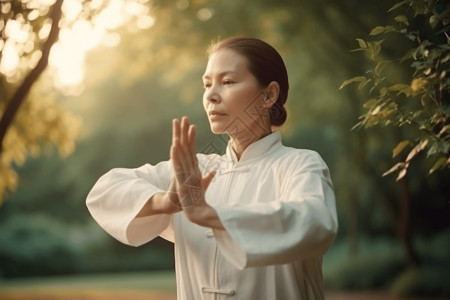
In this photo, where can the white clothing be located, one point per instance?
(277, 206)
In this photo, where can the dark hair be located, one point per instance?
(266, 64)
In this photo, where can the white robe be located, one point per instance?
(276, 203)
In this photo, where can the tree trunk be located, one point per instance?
(19, 96)
(404, 224)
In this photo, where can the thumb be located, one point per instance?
(207, 179)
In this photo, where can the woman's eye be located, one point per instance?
(226, 82)
(206, 85)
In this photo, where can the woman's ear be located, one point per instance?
(273, 90)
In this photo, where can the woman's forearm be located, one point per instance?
(159, 203)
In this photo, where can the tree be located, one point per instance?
(418, 110)
(30, 117)
(24, 125)
(423, 103)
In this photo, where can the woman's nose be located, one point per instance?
(211, 95)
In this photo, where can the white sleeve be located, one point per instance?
(301, 224)
(119, 195)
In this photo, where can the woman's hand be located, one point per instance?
(188, 187)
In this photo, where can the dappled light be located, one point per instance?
(369, 91)
(81, 31)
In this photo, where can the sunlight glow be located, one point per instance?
(15, 31)
(68, 54)
(71, 9)
(145, 22)
(10, 60)
(77, 36)
(204, 14)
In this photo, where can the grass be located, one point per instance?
(100, 284)
(127, 286)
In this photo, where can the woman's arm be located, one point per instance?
(120, 195)
(300, 223)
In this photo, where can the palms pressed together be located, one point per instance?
(187, 189)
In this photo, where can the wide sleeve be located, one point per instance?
(300, 224)
(119, 195)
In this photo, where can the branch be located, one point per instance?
(23, 90)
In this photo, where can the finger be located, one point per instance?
(189, 147)
(184, 130)
(175, 158)
(184, 145)
(192, 152)
(175, 130)
(175, 147)
(191, 137)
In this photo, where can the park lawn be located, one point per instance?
(131, 286)
(114, 286)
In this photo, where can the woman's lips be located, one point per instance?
(215, 115)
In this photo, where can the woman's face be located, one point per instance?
(233, 98)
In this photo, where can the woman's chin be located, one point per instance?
(216, 129)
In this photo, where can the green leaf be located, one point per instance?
(364, 83)
(357, 126)
(416, 150)
(402, 19)
(352, 80)
(397, 5)
(443, 30)
(394, 168)
(379, 67)
(362, 43)
(402, 173)
(445, 59)
(440, 163)
(444, 130)
(370, 103)
(376, 110)
(418, 64)
(411, 54)
(399, 148)
(401, 88)
(378, 30)
(444, 146)
(434, 149)
(434, 21)
(374, 48)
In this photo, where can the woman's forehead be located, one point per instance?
(225, 61)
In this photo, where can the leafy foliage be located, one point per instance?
(28, 31)
(132, 90)
(421, 103)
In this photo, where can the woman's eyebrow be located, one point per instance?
(221, 74)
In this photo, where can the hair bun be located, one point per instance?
(278, 114)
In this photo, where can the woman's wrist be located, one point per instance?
(203, 215)
(159, 203)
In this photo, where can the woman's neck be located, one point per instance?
(241, 140)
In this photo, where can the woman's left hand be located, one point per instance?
(189, 184)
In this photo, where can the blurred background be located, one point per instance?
(122, 69)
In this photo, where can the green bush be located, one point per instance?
(378, 262)
(431, 278)
(427, 281)
(381, 264)
(34, 245)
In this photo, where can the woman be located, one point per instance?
(251, 224)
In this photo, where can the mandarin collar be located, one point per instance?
(255, 149)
